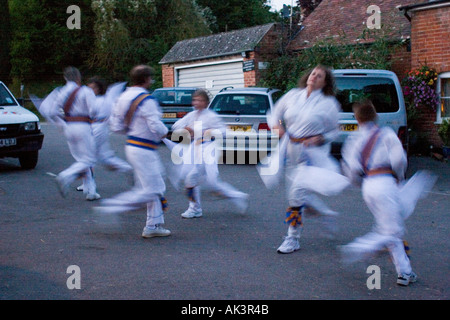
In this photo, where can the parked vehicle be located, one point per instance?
(20, 131)
(175, 103)
(383, 88)
(244, 112)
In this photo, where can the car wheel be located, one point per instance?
(28, 160)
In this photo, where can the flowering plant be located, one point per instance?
(419, 87)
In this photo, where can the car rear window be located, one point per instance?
(381, 91)
(5, 98)
(247, 104)
(174, 97)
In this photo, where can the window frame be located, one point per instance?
(444, 75)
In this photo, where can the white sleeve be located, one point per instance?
(350, 163)
(90, 99)
(332, 124)
(116, 119)
(150, 111)
(217, 123)
(277, 115)
(397, 155)
(181, 123)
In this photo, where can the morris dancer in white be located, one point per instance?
(74, 103)
(100, 130)
(205, 168)
(137, 114)
(376, 160)
(308, 115)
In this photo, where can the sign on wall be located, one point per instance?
(248, 65)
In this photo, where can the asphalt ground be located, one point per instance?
(223, 256)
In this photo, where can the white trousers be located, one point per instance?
(208, 174)
(104, 155)
(149, 185)
(299, 190)
(82, 148)
(382, 197)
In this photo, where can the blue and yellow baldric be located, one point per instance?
(142, 143)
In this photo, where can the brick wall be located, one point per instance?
(250, 77)
(168, 75)
(430, 34)
(401, 61)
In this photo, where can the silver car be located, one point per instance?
(383, 88)
(244, 112)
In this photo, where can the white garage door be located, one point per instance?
(212, 77)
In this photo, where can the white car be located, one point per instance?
(244, 111)
(20, 131)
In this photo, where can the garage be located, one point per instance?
(213, 77)
(233, 58)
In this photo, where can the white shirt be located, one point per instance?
(83, 105)
(204, 119)
(146, 122)
(387, 152)
(307, 116)
(102, 109)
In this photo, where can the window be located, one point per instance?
(443, 88)
(381, 91)
(5, 98)
(240, 104)
(174, 97)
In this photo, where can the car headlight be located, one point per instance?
(30, 126)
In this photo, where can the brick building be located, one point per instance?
(430, 33)
(346, 21)
(233, 58)
(424, 27)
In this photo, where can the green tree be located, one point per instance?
(130, 32)
(42, 45)
(5, 38)
(238, 14)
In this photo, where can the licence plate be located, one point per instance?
(169, 115)
(349, 127)
(8, 142)
(240, 128)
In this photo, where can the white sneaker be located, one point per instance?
(289, 245)
(156, 232)
(80, 188)
(93, 196)
(191, 213)
(405, 279)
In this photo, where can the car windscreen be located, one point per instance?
(244, 104)
(381, 91)
(174, 97)
(5, 97)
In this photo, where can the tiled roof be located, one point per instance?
(216, 45)
(333, 18)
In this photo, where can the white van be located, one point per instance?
(383, 88)
(20, 131)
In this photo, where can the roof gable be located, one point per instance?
(216, 45)
(333, 18)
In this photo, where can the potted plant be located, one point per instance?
(444, 133)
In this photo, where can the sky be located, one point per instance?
(278, 4)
